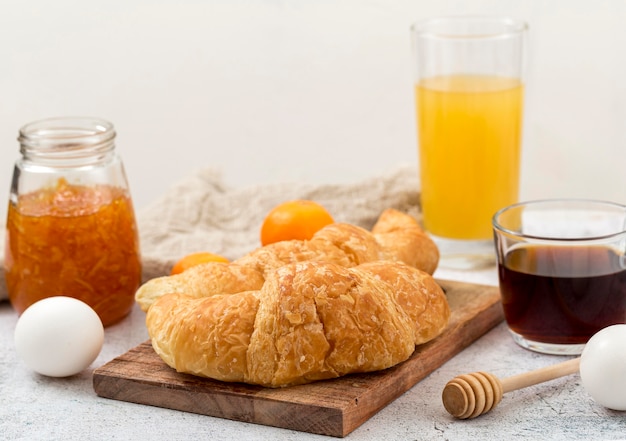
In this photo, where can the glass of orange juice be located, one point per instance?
(469, 90)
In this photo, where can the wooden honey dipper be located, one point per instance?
(471, 395)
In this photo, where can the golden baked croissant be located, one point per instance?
(310, 320)
(346, 301)
(396, 236)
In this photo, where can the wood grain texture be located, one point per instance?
(333, 407)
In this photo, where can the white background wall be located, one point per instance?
(302, 90)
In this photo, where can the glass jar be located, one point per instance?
(71, 226)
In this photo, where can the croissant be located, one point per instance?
(310, 321)
(396, 236)
(293, 312)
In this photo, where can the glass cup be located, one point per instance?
(562, 271)
(469, 91)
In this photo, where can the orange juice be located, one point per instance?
(469, 130)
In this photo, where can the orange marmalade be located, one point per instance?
(77, 241)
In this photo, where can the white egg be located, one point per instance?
(603, 367)
(59, 336)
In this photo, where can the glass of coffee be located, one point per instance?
(562, 271)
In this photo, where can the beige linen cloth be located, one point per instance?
(202, 213)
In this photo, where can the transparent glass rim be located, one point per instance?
(538, 202)
(68, 132)
(454, 27)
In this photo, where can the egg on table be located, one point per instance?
(603, 367)
(59, 336)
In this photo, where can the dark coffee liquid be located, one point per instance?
(563, 295)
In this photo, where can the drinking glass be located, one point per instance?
(562, 271)
(469, 90)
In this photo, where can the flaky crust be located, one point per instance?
(309, 321)
(293, 312)
(396, 236)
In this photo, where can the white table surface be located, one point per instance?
(34, 407)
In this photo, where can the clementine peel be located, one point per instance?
(196, 259)
(297, 219)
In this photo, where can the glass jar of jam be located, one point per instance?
(71, 226)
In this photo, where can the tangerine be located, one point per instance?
(196, 259)
(298, 219)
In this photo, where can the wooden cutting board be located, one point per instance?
(334, 407)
